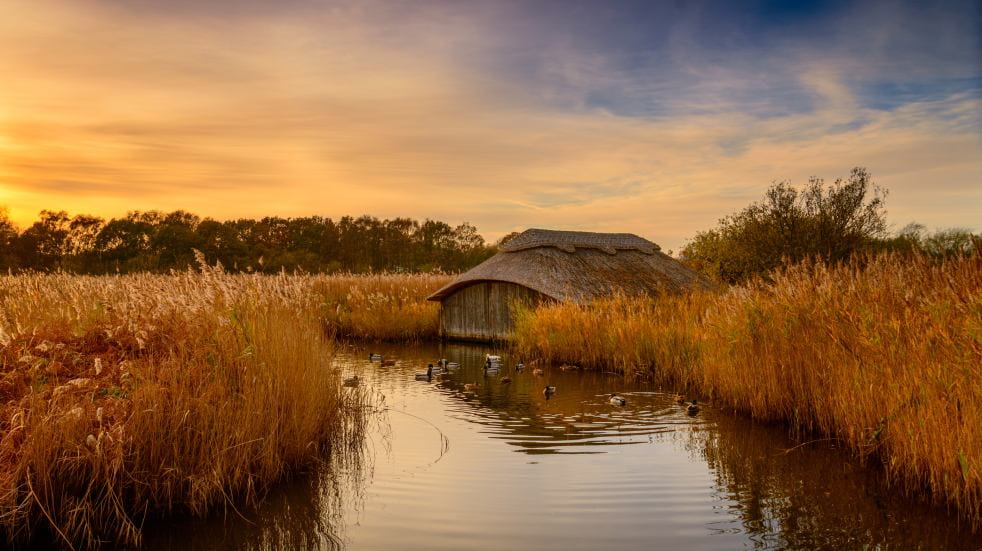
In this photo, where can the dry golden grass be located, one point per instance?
(133, 396)
(381, 306)
(886, 357)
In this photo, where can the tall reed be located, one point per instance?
(381, 307)
(885, 356)
(129, 397)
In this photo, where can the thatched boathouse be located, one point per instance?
(546, 265)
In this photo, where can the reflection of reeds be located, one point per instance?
(885, 357)
(150, 395)
(826, 501)
(381, 306)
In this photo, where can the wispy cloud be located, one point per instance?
(490, 114)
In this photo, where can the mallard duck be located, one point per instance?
(679, 399)
(617, 400)
(375, 357)
(568, 367)
(519, 366)
(352, 381)
(425, 375)
(537, 372)
(471, 387)
(505, 380)
(549, 390)
(692, 408)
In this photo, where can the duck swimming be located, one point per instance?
(537, 372)
(617, 400)
(471, 387)
(425, 375)
(679, 399)
(351, 381)
(387, 363)
(692, 408)
(549, 390)
(375, 357)
(505, 380)
(519, 367)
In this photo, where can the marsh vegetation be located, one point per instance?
(131, 397)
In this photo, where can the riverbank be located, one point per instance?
(131, 397)
(884, 358)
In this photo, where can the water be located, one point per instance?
(504, 467)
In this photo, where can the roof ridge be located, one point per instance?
(569, 240)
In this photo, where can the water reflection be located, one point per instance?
(503, 465)
(301, 514)
(814, 496)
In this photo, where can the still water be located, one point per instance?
(503, 467)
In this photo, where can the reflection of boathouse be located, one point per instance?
(544, 265)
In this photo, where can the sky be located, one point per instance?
(656, 118)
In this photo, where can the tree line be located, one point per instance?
(832, 222)
(158, 242)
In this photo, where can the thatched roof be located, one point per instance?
(569, 241)
(580, 266)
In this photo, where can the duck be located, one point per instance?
(537, 372)
(679, 399)
(471, 387)
(425, 375)
(519, 367)
(452, 365)
(387, 363)
(568, 367)
(442, 362)
(375, 357)
(549, 390)
(692, 408)
(617, 400)
(505, 380)
(352, 381)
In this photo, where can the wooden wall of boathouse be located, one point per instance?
(482, 311)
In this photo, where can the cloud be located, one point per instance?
(440, 112)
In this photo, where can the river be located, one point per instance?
(506, 467)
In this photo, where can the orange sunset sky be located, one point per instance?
(652, 118)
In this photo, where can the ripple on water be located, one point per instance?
(506, 467)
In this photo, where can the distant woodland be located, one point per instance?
(832, 222)
(158, 242)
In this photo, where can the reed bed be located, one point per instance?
(885, 356)
(381, 307)
(129, 397)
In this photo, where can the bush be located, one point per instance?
(827, 222)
